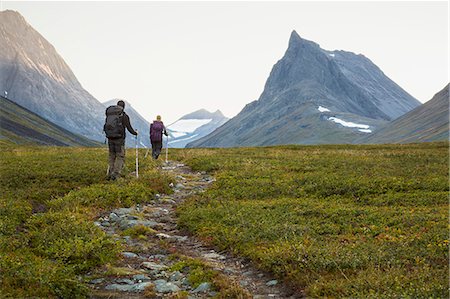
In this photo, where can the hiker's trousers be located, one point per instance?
(116, 156)
(156, 149)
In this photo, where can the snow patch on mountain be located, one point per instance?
(365, 130)
(348, 123)
(188, 125)
(177, 134)
(323, 109)
(183, 139)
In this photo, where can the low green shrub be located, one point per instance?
(139, 231)
(24, 274)
(71, 239)
(50, 197)
(337, 221)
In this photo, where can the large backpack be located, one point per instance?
(156, 130)
(114, 122)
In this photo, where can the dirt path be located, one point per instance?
(145, 267)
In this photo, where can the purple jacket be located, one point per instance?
(156, 130)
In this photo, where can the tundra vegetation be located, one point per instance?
(336, 221)
(50, 198)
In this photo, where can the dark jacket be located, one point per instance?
(126, 124)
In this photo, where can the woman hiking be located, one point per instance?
(157, 129)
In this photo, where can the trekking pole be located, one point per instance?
(167, 147)
(137, 159)
(107, 170)
(146, 153)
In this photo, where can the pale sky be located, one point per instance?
(172, 58)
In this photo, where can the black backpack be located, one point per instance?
(114, 122)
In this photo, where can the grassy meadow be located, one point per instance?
(337, 221)
(50, 197)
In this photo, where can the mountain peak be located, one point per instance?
(219, 113)
(294, 34)
(304, 82)
(204, 114)
(10, 12)
(12, 15)
(294, 38)
(296, 42)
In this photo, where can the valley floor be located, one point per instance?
(275, 222)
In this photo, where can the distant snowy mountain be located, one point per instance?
(194, 126)
(138, 122)
(315, 96)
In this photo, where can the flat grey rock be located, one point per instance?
(129, 254)
(181, 238)
(163, 286)
(125, 224)
(176, 276)
(163, 236)
(153, 266)
(97, 281)
(271, 283)
(148, 223)
(124, 281)
(214, 256)
(119, 287)
(202, 288)
(139, 287)
(141, 277)
(113, 217)
(123, 211)
(136, 287)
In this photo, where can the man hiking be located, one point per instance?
(116, 122)
(157, 129)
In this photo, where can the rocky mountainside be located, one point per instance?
(22, 126)
(429, 122)
(194, 126)
(138, 122)
(36, 77)
(315, 96)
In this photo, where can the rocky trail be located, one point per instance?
(147, 266)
